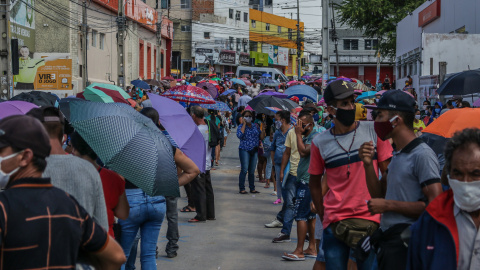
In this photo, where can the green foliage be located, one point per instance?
(377, 18)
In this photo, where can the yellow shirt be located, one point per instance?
(28, 70)
(291, 141)
(420, 126)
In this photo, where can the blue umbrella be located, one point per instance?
(367, 95)
(302, 91)
(140, 84)
(238, 81)
(265, 81)
(228, 92)
(129, 143)
(266, 75)
(218, 106)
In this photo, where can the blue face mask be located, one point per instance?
(438, 111)
(454, 104)
(316, 117)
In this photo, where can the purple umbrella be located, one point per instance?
(275, 94)
(210, 88)
(14, 107)
(181, 127)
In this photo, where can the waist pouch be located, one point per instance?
(393, 236)
(351, 230)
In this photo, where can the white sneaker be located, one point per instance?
(274, 193)
(274, 224)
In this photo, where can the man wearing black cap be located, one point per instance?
(411, 182)
(41, 226)
(343, 210)
(72, 174)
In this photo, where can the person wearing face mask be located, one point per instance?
(449, 106)
(424, 110)
(250, 135)
(411, 182)
(37, 216)
(418, 125)
(446, 235)
(343, 209)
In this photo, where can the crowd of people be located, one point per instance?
(362, 186)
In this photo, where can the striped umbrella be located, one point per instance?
(189, 93)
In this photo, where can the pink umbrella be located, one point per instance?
(381, 92)
(248, 108)
(189, 93)
(322, 102)
(476, 103)
(247, 81)
(292, 83)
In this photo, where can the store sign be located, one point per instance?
(244, 59)
(429, 14)
(55, 75)
(22, 23)
(227, 57)
(203, 55)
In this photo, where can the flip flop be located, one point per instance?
(194, 220)
(309, 255)
(254, 191)
(243, 192)
(292, 257)
(187, 209)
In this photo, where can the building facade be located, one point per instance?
(220, 35)
(446, 31)
(273, 42)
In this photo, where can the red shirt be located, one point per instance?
(113, 188)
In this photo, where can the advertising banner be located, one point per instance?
(276, 55)
(244, 59)
(227, 57)
(203, 56)
(22, 22)
(282, 56)
(55, 74)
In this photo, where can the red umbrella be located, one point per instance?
(168, 78)
(189, 93)
(229, 73)
(245, 76)
(115, 95)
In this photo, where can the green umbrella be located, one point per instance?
(216, 79)
(124, 94)
(97, 95)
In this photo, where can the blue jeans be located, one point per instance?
(248, 162)
(337, 253)
(268, 169)
(278, 180)
(302, 203)
(147, 214)
(287, 213)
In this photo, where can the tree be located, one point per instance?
(377, 18)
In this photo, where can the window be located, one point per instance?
(231, 41)
(245, 45)
(165, 4)
(267, 26)
(239, 44)
(186, 28)
(279, 29)
(290, 33)
(102, 41)
(94, 38)
(254, 24)
(237, 15)
(245, 17)
(253, 46)
(371, 44)
(230, 13)
(185, 4)
(268, 2)
(350, 44)
(206, 35)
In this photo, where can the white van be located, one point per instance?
(257, 72)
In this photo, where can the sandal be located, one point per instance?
(267, 186)
(187, 209)
(254, 191)
(194, 220)
(243, 192)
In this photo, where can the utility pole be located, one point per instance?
(6, 82)
(299, 42)
(121, 24)
(335, 40)
(325, 56)
(85, 45)
(159, 43)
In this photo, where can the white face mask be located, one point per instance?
(248, 119)
(465, 194)
(5, 177)
(417, 116)
(425, 107)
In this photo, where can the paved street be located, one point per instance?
(237, 239)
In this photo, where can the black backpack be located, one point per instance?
(213, 134)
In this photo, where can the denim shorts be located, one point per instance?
(302, 203)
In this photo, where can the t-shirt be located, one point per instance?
(291, 142)
(302, 171)
(28, 70)
(208, 156)
(411, 168)
(113, 187)
(43, 227)
(347, 196)
(420, 125)
(79, 178)
(278, 145)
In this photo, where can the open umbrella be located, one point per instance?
(140, 84)
(454, 120)
(189, 93)
(266, 75)
(168, 78)
(216, 79)
(463, 83)
(292, 83)
(181, 128)
(261, 103)
(129, 143)
(14, 107)
(104, 95)
(246, 81)
(122, 92)
(39, 98)
(293, 116)
(153, 82)
(238, 81)
(218, 106)
(245, 76)
(302, 91)
(196, 79)
(228, 92)
(367, 95)
(272, 93)
(64, 105)
(210, 88)
(229, 73)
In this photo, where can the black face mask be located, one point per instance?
(346, 117)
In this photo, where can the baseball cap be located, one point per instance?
(395, 100)
(47, 114)
(22, 132)
(337, 90)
